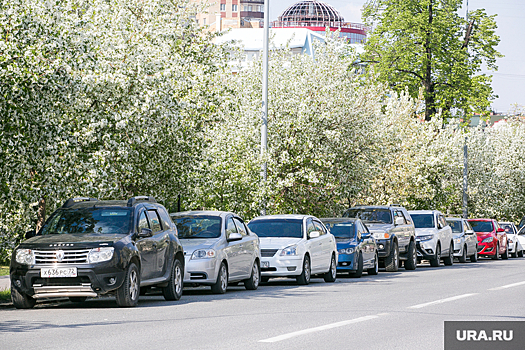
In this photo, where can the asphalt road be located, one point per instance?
(389, 311)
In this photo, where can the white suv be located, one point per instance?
(433, 237)
(296, 246)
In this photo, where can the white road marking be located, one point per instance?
(317, 329)
(509, 286)
(441, 301)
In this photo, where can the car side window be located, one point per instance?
(359, 229)
(399, 214)
(319, 227)
(167, 223)
(154, 220)
(406, 215)
(143, 221)
(230, 227)
(240, 227)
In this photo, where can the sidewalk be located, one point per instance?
(5, 282)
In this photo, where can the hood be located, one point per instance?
(458, 235)
(345, 242)
(191, 244)
(379, 227)
(425, 231)
(72, 240)
(278, 242)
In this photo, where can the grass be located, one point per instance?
(4, 270)
(5, 294)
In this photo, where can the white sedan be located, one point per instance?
(297, 246)
(516, 243)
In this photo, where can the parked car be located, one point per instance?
(492, 239)
(465, 240)
(434, 237)
(521, 238)
(393, 229)
(515, 246)
(296, 246)
(356, 247)
(218, 249)
(89, 248)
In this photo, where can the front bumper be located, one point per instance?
(458, 248)
(346, 263)
(383, 247)
(488, 249)
(282, 266)
(201, 271)
(426, 249)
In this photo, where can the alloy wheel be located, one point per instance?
(133, 285)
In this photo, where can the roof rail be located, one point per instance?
(394, 205)
(135, 199)
(72, 201)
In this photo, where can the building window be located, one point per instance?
(234, 7)
(223, 7)
(204, 21)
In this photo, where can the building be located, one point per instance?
(225, 14)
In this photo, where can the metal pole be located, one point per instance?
(465, 180)
(264, 126)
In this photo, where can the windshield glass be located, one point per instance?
(423, 220)
(89, 221)
(198, 226)
(482, 226)
(370, 215)
(341, 229)
(455, 225)
(507, 227)
(277, 228)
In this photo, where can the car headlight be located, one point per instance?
(425, 237)
(25, 257)
(457, 240)
(97, 255)
(347, 251)
(292, 250)
(203, 254)
(381, 235)
(511, 241)
(487, 240)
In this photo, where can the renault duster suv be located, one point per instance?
(89, 248)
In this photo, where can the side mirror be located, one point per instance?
(365, 235)
(314, 234)
(145, 232)
(469, 232)
(399, 221)
(234, 236)
(30, 234)
(501, 230)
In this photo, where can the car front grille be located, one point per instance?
(43, 257)
(268, 253)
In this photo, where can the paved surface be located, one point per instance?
(390, 311)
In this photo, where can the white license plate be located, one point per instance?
(265, 264)
(58, 272)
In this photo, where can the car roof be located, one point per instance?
(283, 216)
(98, 204)
(338, 219)
(481, 220)
(423, 211)
(375, 207)
(203, 213)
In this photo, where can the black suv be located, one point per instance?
(393, 229)
(89, 248)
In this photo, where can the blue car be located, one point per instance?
(356, 246)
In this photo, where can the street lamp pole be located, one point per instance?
(264, 126)
(465, 180)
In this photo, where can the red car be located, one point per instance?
(492, 239)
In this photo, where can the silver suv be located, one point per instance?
(434, 237)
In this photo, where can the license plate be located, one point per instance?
(58, 272)
(265, 264)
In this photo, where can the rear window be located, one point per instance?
(455, 225)
(292, 228)
(423, 220)
(482, 226)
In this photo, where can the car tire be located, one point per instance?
(474, 257)
(21, 300)
(173, 291)
(463, 257)
(359, 272)
(77, 299)
(392, 260)
(265, 279)
(520, 254)
(496, 256)
(252, 283)
(515, 254)
(505, 255)
(128, 293)
(221, 285)
(374, 270)
(304, 277)
(411, 263)
(436, 260)
(331, 275)
(449, 260)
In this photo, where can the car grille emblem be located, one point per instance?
(60, 255)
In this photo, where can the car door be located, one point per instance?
(248, 246)
(445, 232)
(402, 231)
(470, 238)
(147, 248)
(160, 240)
(233, 251)
(314, 246)
(326, 241)
(365, 240)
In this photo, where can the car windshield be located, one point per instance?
(370, 215)
(277, 228)
(423, 220)
(482, 226)
(198, 226)
(507, 227)
(341, 229)
(455, 225)
(89, 221)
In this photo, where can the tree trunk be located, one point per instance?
(41, 214)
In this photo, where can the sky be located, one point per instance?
(508, 81)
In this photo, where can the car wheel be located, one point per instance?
(449, 260)
(128, 293)
(505, 255)
(392, 260)
(221, 285)
(375, 270)
(77, 299)
(515, 254)
(436, 260)
(304, 277)
(331, 275)
(463, 257)
(21, 300)
(252, 283)
(496, 256)
(520, 254)
(411, 262)
(474, 257)
(173, 291)
(359, 272)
